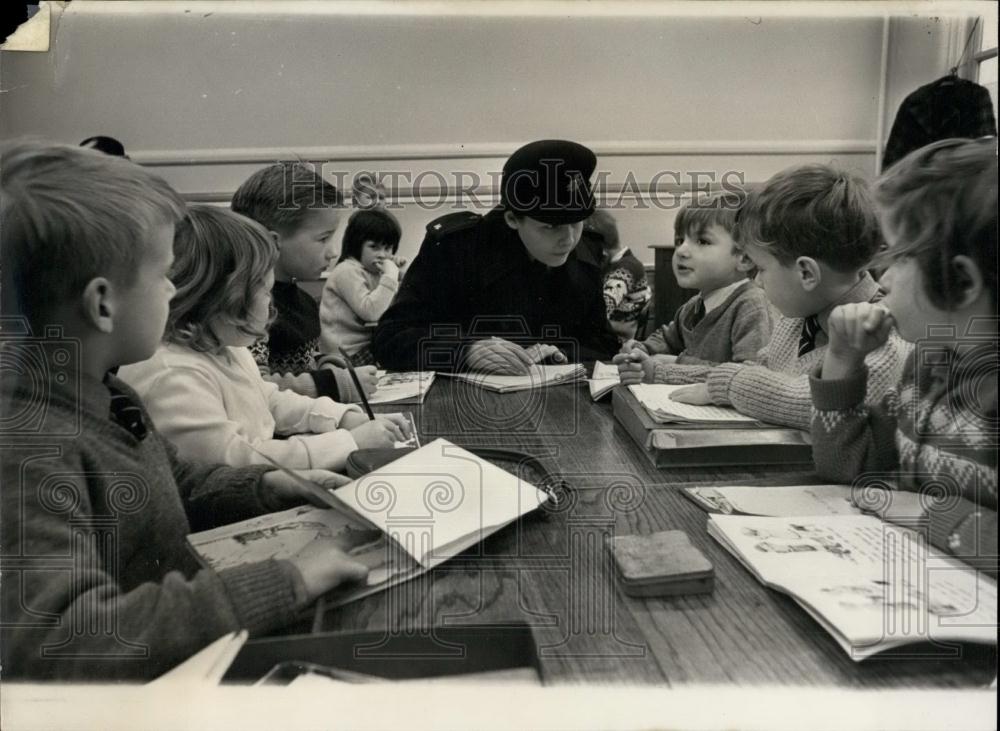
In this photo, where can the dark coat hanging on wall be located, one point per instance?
(948, 107)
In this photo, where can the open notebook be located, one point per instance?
(538, 376)
(655, 398)
(401, 520)
(604, 378)
(872, 585)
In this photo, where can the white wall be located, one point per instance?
(207, 92)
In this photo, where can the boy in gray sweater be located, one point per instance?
(729, 320)
(98, 581)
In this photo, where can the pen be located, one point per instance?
(357, 384)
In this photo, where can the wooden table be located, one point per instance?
(553, 571)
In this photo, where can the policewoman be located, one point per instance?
(499, 292)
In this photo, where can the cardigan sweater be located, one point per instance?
(777, 390)
(734, 331)
(934, 433)
(352, 297)
(99, 582)
(217, 408)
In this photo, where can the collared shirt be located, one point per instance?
(717, 296)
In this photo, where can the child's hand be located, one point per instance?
(541, 352)
(499, 356)
(858, 328)
(380, 433)
(388, 268)
(368, 378)
(696, 395)
(284, 490)
(629, 345)
(854, 330)
(634, 367)
(324, 564)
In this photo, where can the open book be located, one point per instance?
(538, 376)
(655, 398)
(790, 500)
(604, 378)
(401, 520)
(409, 387)
(872, 585)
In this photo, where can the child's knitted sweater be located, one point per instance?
(935, 433)
(735, 331)
(777, 390)
(99, 581)
(626, 291)
(287, 357)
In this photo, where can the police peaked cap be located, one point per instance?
(549, 180)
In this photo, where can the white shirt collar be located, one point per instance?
(717, 296)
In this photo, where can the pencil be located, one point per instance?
(357, 383)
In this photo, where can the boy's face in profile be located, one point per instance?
(141, 309)
(707, 260)
(782, 284)
(305, 252)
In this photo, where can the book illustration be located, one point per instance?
(404, 387)
(282, 535)
(655, 398)
(790, 500)
(797, 538)
(872, 585)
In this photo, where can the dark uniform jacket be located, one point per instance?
(473, 279)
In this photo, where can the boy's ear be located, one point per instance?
(276, 238)
(510, 219)
(969, 279)
(98, 305)
(744, 263)
(809, 271)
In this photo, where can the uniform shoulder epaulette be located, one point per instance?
(449, 224)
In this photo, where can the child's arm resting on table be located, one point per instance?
(849, 437)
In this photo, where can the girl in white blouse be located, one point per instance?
(202, 386)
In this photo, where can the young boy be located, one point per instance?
(810, 231)
(729, 320)
(302, 211)
(626, 291)
(98, 579)
(938, 430)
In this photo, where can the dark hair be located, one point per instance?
(720, 210)
(220, 256)
(280, 196)
(940, 202)
(374, 224)
(69, 214)
(815, 211)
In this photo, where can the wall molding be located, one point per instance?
(490, 195)
(491, 150)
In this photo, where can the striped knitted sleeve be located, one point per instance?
(785, 399)
(849, 436)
